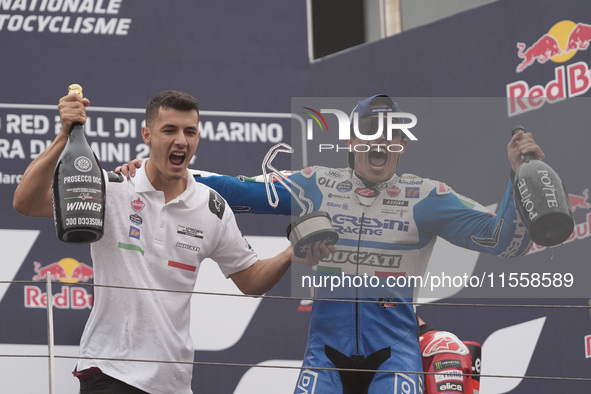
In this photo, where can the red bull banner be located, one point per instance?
(563, 41)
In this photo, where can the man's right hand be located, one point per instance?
(128, 169)
(72, 109)
(315, 253)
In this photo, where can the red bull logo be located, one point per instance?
(543, 49)
(68, 271)
(560, 44)
(577, 202)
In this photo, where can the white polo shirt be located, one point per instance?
(151, 244)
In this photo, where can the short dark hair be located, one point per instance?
(174, 99)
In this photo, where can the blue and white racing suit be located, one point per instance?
(385, 230)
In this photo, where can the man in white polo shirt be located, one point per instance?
(175, 224)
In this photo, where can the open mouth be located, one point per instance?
(377, 159)
(176, 158)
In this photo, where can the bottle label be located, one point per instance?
(79, 200)
(83, 164)
(549, 189)
(526, 200)
(543, 203)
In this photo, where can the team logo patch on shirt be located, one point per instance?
(216, 204)
(345, 186)
(395, 203)
(137, 205)
(393, 191)
(134, 232)
(189, 231)
(412, 192)
(136, 219)
(188, 247)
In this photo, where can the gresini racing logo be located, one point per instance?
(365, 258)
(344, 224)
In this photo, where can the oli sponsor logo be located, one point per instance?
(559, 45)
(68, 271)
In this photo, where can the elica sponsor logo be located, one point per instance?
(459, 387)
(390, 122)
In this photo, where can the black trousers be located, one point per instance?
(104, 384)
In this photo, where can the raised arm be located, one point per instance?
(32, 196)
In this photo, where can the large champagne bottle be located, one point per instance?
(78, 189)
(542, 201)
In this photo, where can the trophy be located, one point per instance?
(311, 226)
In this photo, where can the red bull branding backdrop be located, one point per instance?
(464, 82)
(560, 44)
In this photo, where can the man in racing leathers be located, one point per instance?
(387, 225)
